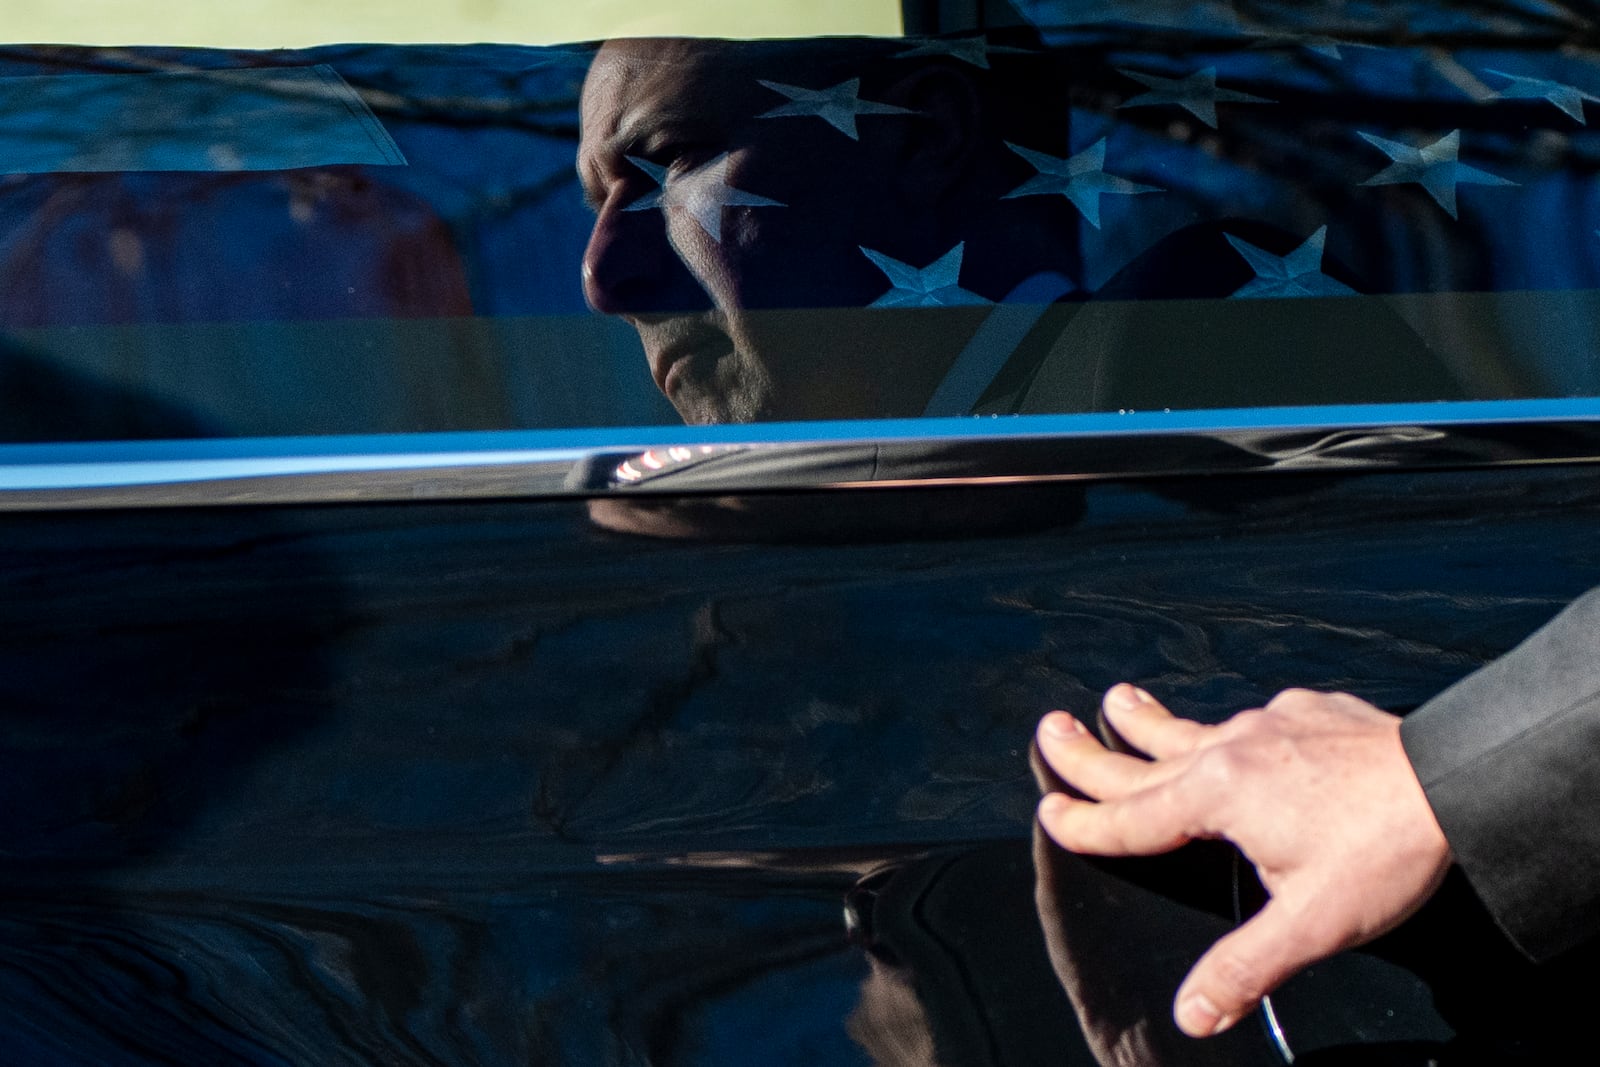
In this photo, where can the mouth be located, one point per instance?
(671, 346)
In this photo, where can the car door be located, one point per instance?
(392, 675)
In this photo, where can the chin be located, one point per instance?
(708, 407)
(702, 410)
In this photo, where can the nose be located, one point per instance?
(629, 266)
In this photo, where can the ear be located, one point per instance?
(938, 144)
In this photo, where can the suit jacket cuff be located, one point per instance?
(1509, 758)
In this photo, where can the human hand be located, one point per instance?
(1315, 790)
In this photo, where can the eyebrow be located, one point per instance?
(633, 129)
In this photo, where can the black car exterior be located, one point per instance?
(423, 718)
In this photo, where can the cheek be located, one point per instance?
(804, 256)
(760, 256)
(806, 253)
(706, 258)
(756, 264)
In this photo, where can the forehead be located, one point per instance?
(633, 81)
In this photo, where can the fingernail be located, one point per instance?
(1198, 1017)
(1123, 697)
(1060, 725)
(1051, 805)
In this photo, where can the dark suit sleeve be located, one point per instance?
(1510, 760)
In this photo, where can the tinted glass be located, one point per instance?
(1186, 209)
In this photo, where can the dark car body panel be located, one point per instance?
(483, 782)
(367, 697)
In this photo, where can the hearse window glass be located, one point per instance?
(1103, 208)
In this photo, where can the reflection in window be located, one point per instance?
(1098, 217)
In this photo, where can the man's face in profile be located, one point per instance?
(730, 240)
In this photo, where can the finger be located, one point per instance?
(1140, 824)
(1086, 766)
(1146, 725)
(1110, 738)
(1044, 776)
(1240, 969)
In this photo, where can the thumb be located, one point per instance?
(1240, 969)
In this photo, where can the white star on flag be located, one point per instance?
(838, 106)
(925, 287)
(1566, 97)
(1197, 94)
(1297, 274)
(1433, 167)
(974, 50)
(703, 193)
(1081, 179)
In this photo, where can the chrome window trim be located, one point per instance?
(799, 456)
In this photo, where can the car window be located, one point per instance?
(1097, 208)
